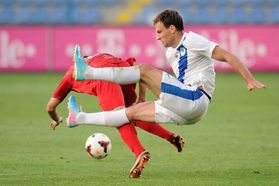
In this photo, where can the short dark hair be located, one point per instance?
(170, 17)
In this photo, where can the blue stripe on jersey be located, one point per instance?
(182, 62)
(183, 93)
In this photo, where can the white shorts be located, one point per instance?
(179, 103)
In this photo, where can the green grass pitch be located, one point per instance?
(237, 143)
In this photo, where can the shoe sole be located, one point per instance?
(75, 62)
(181, 142)
(69, 124)
(77, 56)
(135, 172)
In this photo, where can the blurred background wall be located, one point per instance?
(39, 35)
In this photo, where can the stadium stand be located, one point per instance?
(137, 12)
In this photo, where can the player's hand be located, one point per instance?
(54, 124)
(255, 84)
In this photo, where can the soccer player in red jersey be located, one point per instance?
(112, 96)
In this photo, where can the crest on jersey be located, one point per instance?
(182, 51)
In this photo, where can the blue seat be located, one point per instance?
(257, 15)
(91, 11)
(186, 15)
(196, 15)
(21, 15)
(238, 16)
(55, 15)
(6, 14)
(96, 3)
(220, 16)
(86, 3)
(38, 2)
(273, 15)
(163, 3)
(146, 16)
(5, 2)
(199, 3)
(252, 16)
(86, 15)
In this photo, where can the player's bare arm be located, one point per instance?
(51, 109)
(221, 54)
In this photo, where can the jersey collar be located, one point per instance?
(181, 41)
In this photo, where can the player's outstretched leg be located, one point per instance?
(121, 75)
(177, 141)
(141, 160)
(80, 64)
(73, 111)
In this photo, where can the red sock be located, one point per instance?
(130, 137)
(154, 128)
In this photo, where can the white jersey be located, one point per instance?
(191, 61)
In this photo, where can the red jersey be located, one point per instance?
(110, 95)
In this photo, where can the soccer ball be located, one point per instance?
(98, 145)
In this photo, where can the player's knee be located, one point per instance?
(130, 113)
(144, 69)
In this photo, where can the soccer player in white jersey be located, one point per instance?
(183, 98)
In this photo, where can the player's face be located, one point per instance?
(164, 35)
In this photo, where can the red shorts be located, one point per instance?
(110, 95)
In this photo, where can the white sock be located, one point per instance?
(121, 75)
(114, 118)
